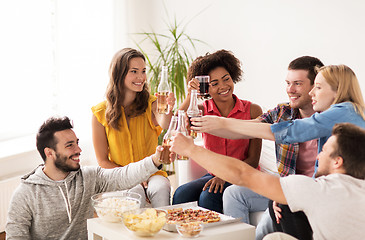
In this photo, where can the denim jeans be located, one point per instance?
(193, 191)
(239, 201)
(265, 226)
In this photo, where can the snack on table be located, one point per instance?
(191, 229)
(145, 221)
(110, 206)
(178, 215)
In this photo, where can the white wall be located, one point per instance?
(266, 35)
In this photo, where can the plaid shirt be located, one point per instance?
(286, 155)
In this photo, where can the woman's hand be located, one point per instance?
(277, 211)
(171, 101)
(215, 183)
(193, 84)
(207, 123)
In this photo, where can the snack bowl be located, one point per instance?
(189, 229)
(109, 206)
(145, 222)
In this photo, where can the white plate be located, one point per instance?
(224, 219)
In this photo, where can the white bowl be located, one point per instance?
(190, 229)
(110, 206)
(145, 222)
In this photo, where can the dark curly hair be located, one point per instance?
(222, 58)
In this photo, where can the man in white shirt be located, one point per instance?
(333, 201)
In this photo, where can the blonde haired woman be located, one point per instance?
(336, 98)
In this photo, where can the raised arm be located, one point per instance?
(164, 119)
(233, 128)
(192, 84)
(254, 149)
(230, 169)
(100, 143)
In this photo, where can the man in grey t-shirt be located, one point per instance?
(337, 190)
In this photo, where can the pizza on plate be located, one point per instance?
(179, 215)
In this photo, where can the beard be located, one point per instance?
(61, 164)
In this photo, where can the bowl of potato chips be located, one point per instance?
(145, 222)
(110, 206)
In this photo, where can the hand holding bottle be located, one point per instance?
(163, 91)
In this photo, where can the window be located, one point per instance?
(54, 61)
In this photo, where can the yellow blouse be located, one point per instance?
(131, 144)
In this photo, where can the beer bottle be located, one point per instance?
(193, 110)
(165, 155)
(181, 128)
(163, 90)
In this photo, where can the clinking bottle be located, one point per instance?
(193, 110)
(163, 90)
(181, 128)
(165, 155)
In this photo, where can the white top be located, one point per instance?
(334, 204)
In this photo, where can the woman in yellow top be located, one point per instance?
(125, 127)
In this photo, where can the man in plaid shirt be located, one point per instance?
(298, 158)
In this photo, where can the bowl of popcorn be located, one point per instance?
(109, 206)
(145, 222)
(189, 229)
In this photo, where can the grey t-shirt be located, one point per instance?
(334, 204)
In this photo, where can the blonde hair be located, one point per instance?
(344, 81)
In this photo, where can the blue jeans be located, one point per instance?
(193, 191)
(239, 201)
(265, 226)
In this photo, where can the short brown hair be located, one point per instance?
(45, 136)
(306, 63)
(350, 141)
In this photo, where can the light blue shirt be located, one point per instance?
(319, 125)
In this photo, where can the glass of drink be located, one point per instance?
(162, 106)
(193, 133)
(165, 154)
(203, 85)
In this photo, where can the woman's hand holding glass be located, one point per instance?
(171, 100)
(193, 84)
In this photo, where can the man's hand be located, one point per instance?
(157, 155)
(207, 123)
(182, 145)
(277, 211)
(215, 183)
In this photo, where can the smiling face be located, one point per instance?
(221, 85)
(298, 86)
(67, 153)
(136, 75)
(322, 94)
(325, 157)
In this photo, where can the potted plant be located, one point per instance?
(172, 50)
